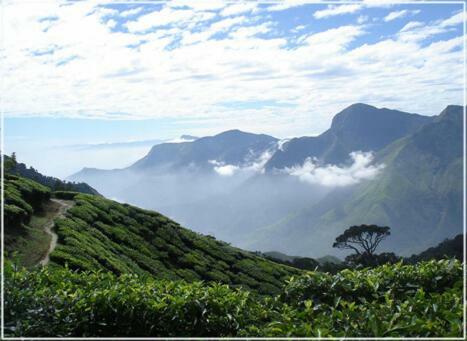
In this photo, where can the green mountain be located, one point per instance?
(418, 194)
(100, 234)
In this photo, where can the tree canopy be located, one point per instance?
(363, 239)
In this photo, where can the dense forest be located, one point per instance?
(123, 271)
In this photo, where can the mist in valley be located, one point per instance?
(233, 202)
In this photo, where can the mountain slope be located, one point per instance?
(181, 172)
(17, 168)
(418, 194)
(359, 127)
(231, 147)
(100, 234)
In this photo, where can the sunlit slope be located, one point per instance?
(103, 234)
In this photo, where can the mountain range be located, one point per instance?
(372, 165)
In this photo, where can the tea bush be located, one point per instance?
(100, 234)
(23, 198)
(389, 301)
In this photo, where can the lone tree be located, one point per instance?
(363, 239)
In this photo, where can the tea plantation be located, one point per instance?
(122, 271)
(391, 300)
(100, 234)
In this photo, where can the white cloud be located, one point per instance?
(249, 31)
(238, 8)
(456, 19)
(200, 5)
(362, 19)
(181, 140)
(411, 25)
(111, 23)
(257, 166)
(166, 16)
(418, 31)
(131, 12)
(333, 10)
(252, 165)
(399, 14)
(286, 4)
(67, 61)
(223, 169)
(227, 170)
(298, 28)
(337, 176)
(395, 15)
(281, 144)
(217, 27)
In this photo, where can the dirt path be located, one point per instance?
(64, 205)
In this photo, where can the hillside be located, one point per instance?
(418, 194)
(233, 147)
(183, 173)
(122, 271)
(100, 234)
(236, 186)
(448, 248)
(55, 184)
(24, 214)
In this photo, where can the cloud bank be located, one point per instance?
(180, 60)
(337, 176)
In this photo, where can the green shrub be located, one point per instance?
(125, 239)
(51, 302)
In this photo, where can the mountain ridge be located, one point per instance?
(358, 127)
(259, 200)
(417, 194)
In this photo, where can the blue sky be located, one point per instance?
(92, 72)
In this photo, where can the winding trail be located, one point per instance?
(64, 205)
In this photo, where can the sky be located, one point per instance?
(97, 72)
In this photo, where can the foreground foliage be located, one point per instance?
(391, 300)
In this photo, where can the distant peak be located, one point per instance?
(452, 112)
(453, 107)
(232, 131)
(360, 106)
(189, 137)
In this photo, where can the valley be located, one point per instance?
(186, 169)
(121, 270)
(373, 166)
(80, 264)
